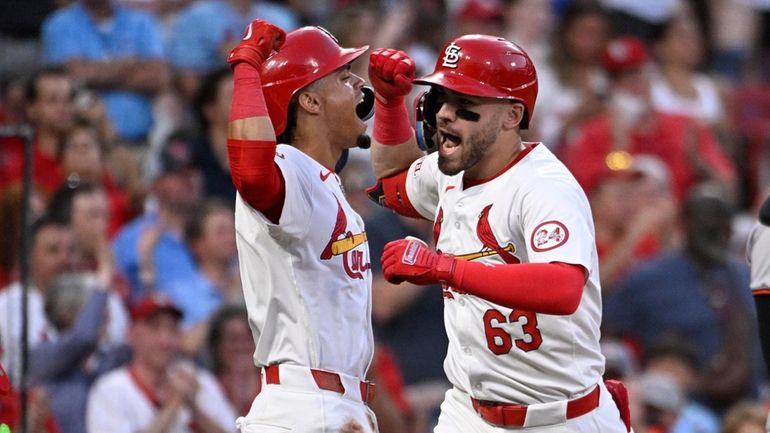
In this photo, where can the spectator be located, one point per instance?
(155, 242)
(51, 252)
(674, 358)
(157, 391)
(631, 126)
(679, 88)
(698, 291)
(212, 104)
(77, 307)
(230, 357)
(210, 233)
(218, 26)
(116, 50)
(83, 160)
(84, 208)
(634, 215)
(745, 417)
(529, 23)
(639, 19)
(50, 110)
(572, 82)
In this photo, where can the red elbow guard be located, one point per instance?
(390, 192)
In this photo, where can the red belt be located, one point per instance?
(327, 380)
(513, 415)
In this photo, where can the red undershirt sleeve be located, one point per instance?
(549, 288)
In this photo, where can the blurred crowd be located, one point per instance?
(661, 109)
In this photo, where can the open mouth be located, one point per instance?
(448, 142)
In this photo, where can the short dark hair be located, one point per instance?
(45, 221)
(217, 328)
(193, 229)
(32, 91)
(61, 202)
(287, 135)
(207, 93)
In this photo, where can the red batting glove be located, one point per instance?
(411, 260)
(391, 73)
(260, 39)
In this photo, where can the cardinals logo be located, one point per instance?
(451, 56)
(489, 241)
(343, 242)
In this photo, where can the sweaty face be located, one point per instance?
(463, 143)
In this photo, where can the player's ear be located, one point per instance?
(309, 101)
(513, 115)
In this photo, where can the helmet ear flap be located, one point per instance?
(426, 106)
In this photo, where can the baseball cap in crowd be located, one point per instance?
(623, 54)
(176, 154)
(152, 304)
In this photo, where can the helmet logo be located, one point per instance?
(451, 56)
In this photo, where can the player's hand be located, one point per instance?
(260, 39)
(391, 73)
(411, 260)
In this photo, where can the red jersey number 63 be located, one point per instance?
(500, 342)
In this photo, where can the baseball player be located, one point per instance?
(304, 257)
(758, 256)
(515, 242)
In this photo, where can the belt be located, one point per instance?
(326, 380)
(514, 415)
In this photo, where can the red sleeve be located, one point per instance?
(252, 162)
(549, 288)
(256, 176)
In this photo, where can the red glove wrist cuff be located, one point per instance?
(446, 268)
(391, 122)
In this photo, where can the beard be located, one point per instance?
(474, 148)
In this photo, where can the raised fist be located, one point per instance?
(391, 73)
(260, 39)
(411, 260)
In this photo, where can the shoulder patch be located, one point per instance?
(549, 235)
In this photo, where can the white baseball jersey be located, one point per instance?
(307, 279)
(533, 212)
(118, 403)
(758, 256)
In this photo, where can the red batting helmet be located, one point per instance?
(487, 66)
(308, 54)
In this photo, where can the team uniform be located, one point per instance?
(532, 212)
(120, 403)
(758, 255)
(307, 289)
